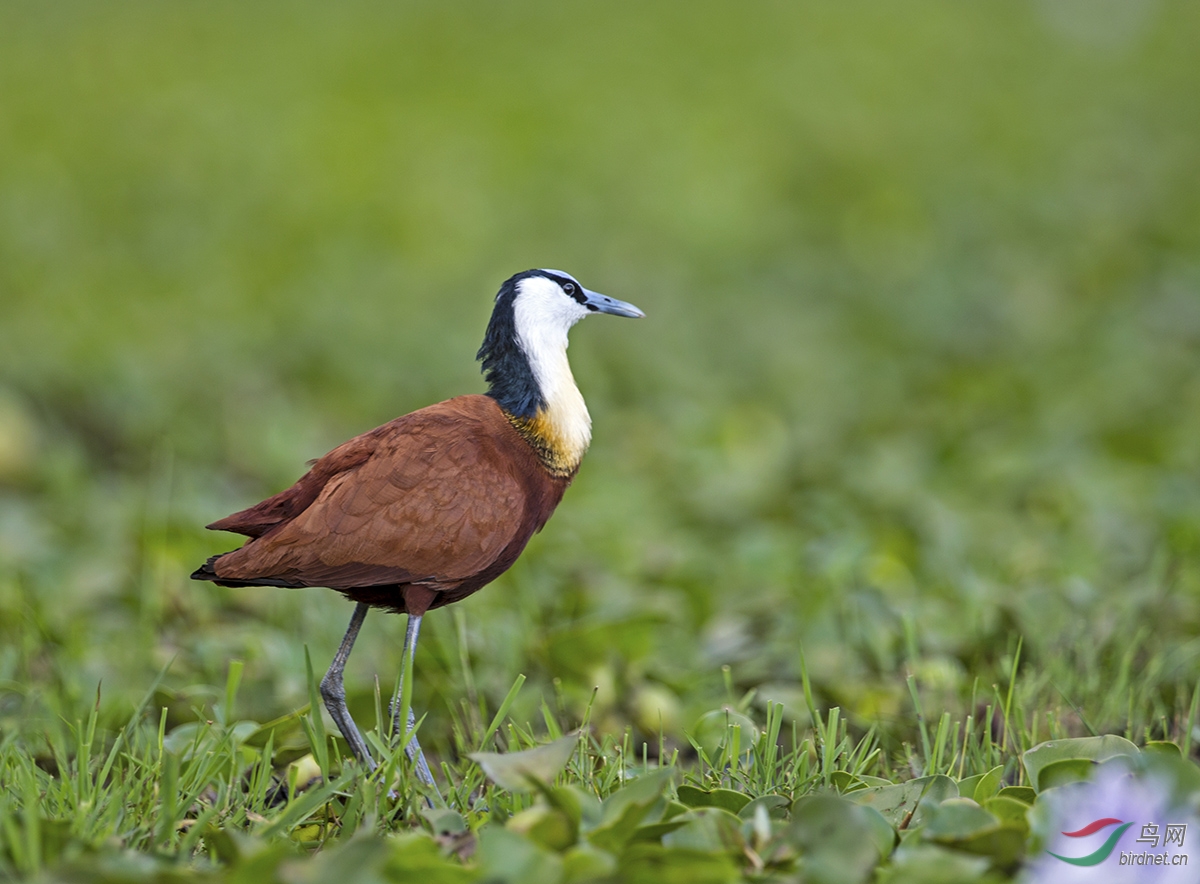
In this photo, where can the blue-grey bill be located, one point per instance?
(604, 304)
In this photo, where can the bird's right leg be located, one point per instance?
(334, 693)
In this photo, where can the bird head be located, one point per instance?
(523, 350)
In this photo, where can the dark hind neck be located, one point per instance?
(505, 367)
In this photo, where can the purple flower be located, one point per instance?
(1117, 829)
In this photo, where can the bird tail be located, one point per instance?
(208, 572)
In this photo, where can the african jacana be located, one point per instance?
(424, 510)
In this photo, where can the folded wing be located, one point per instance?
(429, 498)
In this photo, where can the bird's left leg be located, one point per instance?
(417, 600)
(402, 705)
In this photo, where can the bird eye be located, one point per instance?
(569, 288)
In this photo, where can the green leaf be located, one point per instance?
(899, 802)
(1024, 794)
(714, 729)
(925, 863)
(548, 826)
(1068, 770)
(1004, 845)
(674, 809)
(643, 790)
(726, 799)
(514, 770)
(583, 862)
(655, 831)
(1090, 748)
(506, 856)
(582, 807)
(989, 784)
(964, 825)
(836, 839)
(626, 809)
(845, 782)
(710, 829)
(967, 786)
(958, 818)
(775, 805)
(1163, 747)
(655, 864)
(882, 832)
(1008, 810)
(444, 821)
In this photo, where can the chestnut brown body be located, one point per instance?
(444, 499)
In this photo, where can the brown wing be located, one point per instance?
(433, 500)
(286, 505)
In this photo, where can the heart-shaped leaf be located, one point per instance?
(517, 771)
(1084, 748)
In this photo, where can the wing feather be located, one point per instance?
(429, 498)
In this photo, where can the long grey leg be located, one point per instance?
(334, 693)
(413, 748)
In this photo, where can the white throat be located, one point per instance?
(543, 315)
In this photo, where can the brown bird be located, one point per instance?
(425, 510)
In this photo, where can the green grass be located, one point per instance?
(908, 432)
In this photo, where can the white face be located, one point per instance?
(541, 308)
(544, 313)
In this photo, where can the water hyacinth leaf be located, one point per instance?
(924, 863)
(367, 859)
(1068, 770)
(1163, 747)
(1004, 845)
(506, 856)
(1090, 748)
(882, 833)
(627, 808)
(618, 829)
(958, 818)
(1181, 773)
(655, 864)
(964, 825)
(640, 791)
(548, 826)
(845, 782)
(836, 839)
(581, 807)
(444, 821)
(713, 730)
(674, 809)
(655, 831)
(418, 857)
(583, 862)
(1024, 794)
(775, 805)
(967, 786)
(726, 799)
(989, 784)
(1008, 810)
(710, 829)
(874, 781)
(898, 803)
(514, 771)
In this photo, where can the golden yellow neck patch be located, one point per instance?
(552, 450)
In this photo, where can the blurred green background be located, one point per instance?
(918, 375)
